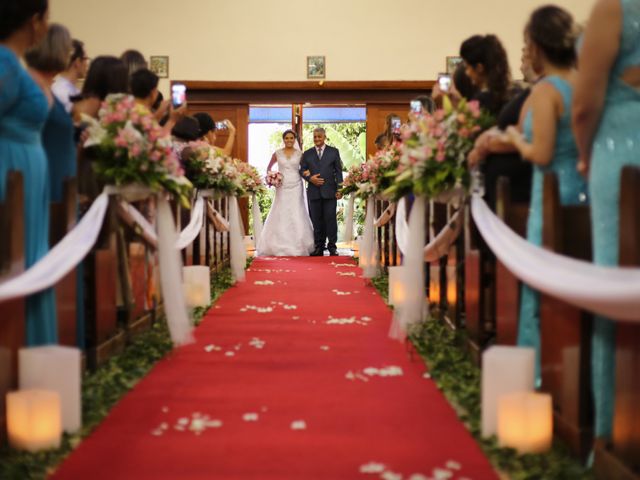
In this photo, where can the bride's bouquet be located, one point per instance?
(274, 179)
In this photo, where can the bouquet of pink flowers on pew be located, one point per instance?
(132, 148)
(353, 179)
(250, 178)
(274, 179)
(208, 169)
(378, 170)
(434, 150)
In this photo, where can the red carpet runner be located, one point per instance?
(292, 377)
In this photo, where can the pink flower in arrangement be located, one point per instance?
(440, 156)
(461, 118)
(464, 132)
(439, 115)
(135, 150)
(474, 108)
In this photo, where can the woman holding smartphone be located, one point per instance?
(208, 128)
(548, 141)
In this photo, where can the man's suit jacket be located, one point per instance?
(329, 167)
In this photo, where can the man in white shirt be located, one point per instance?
(65, 85)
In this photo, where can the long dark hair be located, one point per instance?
(486, 50)
(15, 13)
(463, 83)
(552, 30)
(106, 75)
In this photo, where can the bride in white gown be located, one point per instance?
(288, 230)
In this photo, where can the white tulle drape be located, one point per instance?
(348, 220)
(171, 276)
(368, 252)
(191, 231)
(62, 258)
(439, 246)
(609, 291)
(414, 307)
(257, 218)
(402, 227)
(386, 216)
(236, 239)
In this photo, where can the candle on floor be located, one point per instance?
(249, 243)
(504, 370)
(452, 286)
(355, 246)
(397, 286)
(197, 285)
(58, 369)
(525, 421)
(34, 420)
(434, 284)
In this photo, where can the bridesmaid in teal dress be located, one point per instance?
(607, 126)
(24, 108)
(548, 141)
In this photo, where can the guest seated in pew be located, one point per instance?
(46, 60)
(106, 75)
(486, 64)
(606, 122)
(65, 86)
(461, 87)
(24, 108)
(548, 141)
(186, 130)
(498, 158)
(134, 61)
(208, 132)
(381, 142)
(144, 88)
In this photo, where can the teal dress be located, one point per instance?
(573, 191)
(23, 112)
(60, 146)
(616, 144)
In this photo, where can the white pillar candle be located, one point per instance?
(34, 420)
(249, 243)
(397, 286)
(58, 369)
(434, 284)
(197, 285)
(525, 421)
(504, 370)
(452, 286)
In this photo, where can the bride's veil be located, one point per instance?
(297, 147)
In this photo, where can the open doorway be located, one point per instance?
(345, 125)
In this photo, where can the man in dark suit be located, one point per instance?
(321, 167)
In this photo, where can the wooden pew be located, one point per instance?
(437, 284)
(12, 312)
(104, 337)
(507, 286)
(63, 218)
(621, 459)
(565, 330)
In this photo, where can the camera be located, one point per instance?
(221, 125)
(395, 124)
(444, 82)
(416, 106)
(178, 95)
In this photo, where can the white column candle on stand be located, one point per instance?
(34, 420)
(525, 421)
(397, 287)
(58, 369)
(504, 370)
(197, 285)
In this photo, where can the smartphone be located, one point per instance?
(178, 95)
(395, 124)
(416, 106)
(444, 82)
(221, 125)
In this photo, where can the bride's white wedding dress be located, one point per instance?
(288, 230)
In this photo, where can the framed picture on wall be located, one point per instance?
(452, 64)
(159, 65)
(316, 67)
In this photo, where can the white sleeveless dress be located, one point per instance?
(288, 230)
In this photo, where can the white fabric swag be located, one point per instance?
(368, 253)
(348, 219)
(402, 227)
(610, 291)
